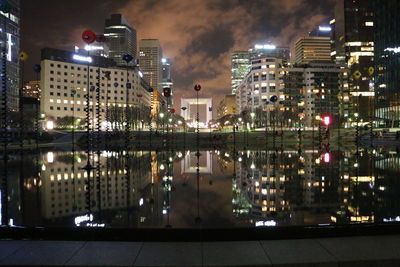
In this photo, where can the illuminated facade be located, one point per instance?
(32, 89)
(227, 106)
(313, 48)
(241, 60)
(314, 90)
(150, 62)
(387, 61)
(10, 39)
(353, 44)
(65, 72)
(167, 80)
(302, 92)
(120, 38)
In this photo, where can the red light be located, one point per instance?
(327, 157)
(327, 120)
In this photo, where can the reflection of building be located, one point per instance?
(120, 38)
(9, 38)
(64, 73)
(150, 61)
(387, 62)
(32, 89)
(65, 190)
(353, 44)
(227, 106)
(188, 164)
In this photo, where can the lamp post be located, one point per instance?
(197, 88)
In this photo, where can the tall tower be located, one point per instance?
(150, 61)
(353, 44)
(315, 47)
(9, 39)
(166, 79)
(120, 38)
(387, 62)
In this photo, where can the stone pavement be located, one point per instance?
(343, 251)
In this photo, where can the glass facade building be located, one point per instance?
(10, 44)
(120, 38)
(387, 60)
(353, 44)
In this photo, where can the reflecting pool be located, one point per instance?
(213, 189)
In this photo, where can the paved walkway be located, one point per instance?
(346, 251)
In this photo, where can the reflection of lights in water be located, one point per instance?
(396, 219)
(50, 157)
(83, 218)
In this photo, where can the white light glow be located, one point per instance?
(93, 48)
(394, 50)
(141, 202)
(325, 29)
(265, 223)
(83, 218)
(82, 58)
(50, 125)
(140, 74)
(50, 157)
(9, 45)
(265, 46)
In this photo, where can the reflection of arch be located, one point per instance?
(187, 102)
(189, 166)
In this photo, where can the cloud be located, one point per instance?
(198, 35)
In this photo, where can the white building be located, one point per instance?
(64, 84)
(302, 92)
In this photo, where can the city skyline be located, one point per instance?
(200, 49)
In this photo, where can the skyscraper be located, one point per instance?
(166, 78)
(353, 44)
(241, 60)
(240, 67)
(387, 62)
(315, 47)
(9, 40)
(150, 61)
(120, 38)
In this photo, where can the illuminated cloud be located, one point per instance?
(200, 34)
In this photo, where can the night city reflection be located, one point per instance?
(252, 188)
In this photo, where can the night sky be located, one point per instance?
(198, 35)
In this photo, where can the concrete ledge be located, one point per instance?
(345, 251)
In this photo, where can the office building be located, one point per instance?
(10, 39)
(227, 106)
(387, 62)
(313, 48)
(32, 89)
(167, 80)
(241, 60)
(150, 61)
(64, 84)
(240, 63)
(353, 44)
(302, 92)
(120, 38)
